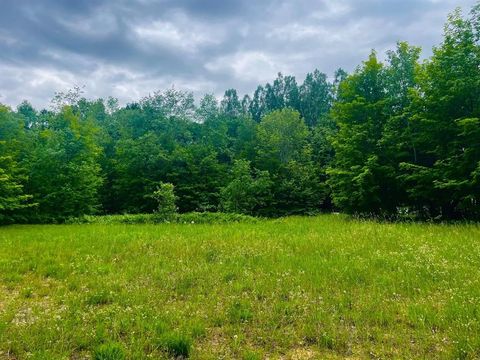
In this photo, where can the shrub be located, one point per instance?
(165, 197)
(212, 218)
(248, 191)
(116, 219)
(188, 218)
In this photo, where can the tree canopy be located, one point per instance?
(394, 138)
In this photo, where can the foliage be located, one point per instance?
(445, 118)
(248, 191)
(408, 133)
(394, 138)
(284, 149)
(186, 218)
(64, 174)
(12, 197)
(213, 218)
(357, 176)
(164, 195)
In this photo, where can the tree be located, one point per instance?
(138, 165)
(441, 178)
(170, 104)
(397, 144)
(248, 191)
(283, 149)
(299, 189)
(198, 176)
(316, 96)
(64, 174)
(29, 114)
(281, 137)
(231, 105)
(359, 181)
(12, 196)
(257, 105)
(208, 108)
(165, 197)
(13, 146)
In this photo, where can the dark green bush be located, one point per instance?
(188, 218)
(213, 218)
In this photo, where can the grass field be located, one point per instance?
(295, 288)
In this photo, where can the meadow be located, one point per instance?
(324, 287)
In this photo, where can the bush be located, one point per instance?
(165, 197)
(248, 191)
(188, 218)
(109, 351)
(117, 219)
(213, 218)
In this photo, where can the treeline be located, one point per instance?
(397, 138)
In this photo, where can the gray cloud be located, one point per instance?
(129, 48)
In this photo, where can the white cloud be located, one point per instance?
(182, 34)
(249, 65)
(91, 25)
(128, 49)
(334, 9)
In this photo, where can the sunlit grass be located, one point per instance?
(296, 288)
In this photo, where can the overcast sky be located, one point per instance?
(130, 48)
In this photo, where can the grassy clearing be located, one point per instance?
(295, 288)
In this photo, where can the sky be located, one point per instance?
(129, 49)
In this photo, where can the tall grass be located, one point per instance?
(294, 288)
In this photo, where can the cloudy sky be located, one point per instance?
(130, 48)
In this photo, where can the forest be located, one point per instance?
(399, 137)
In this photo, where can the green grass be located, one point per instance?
(186, 218)
(295, 288)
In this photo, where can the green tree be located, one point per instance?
(231, 105)
(281, 137)
(316, 97)
(257, 107)
(284, 150)
(198, 176)
(14, 145)
(248, 191)
(299, 188)
(442, 176)
(12, 196)
(164, 195)
(64, 174)
(359, 182)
